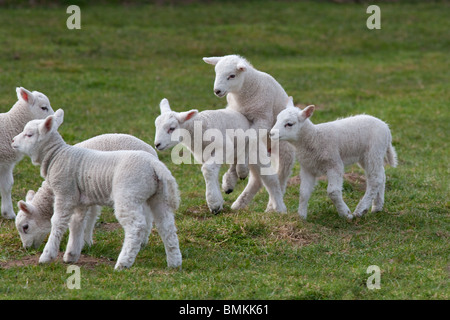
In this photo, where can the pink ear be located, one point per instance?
(24, 95)
(308, 111)
(23, 207)
(191, 114)
(48, 123)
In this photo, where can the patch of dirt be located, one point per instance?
(296, 235)
(84, 261)
(358, 181)
(110, 226)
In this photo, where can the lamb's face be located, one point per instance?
(41, 107)
(165, 125)
(27, 141)
(36, 133)
(230, 74)
(287, 125)
(32, 228)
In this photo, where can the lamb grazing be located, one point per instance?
(328, 147)
(259, 97)
(33, 221)
(30, 105)
(223, 121)
(135, 183)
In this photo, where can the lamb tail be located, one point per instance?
(391, 157)
(171, 193)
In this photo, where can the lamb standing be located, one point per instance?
(259, 97)
(221, 120)
(136, 183)
(33, 221)
(328, 147)
(30, 105)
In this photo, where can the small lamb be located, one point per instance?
(30, 105)
(33, 221)
(259, 97)
(220, 120)
(328, 147)
(137, 184)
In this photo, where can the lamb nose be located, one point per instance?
(157, 145)
(217, 91)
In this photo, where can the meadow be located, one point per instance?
(110, 76)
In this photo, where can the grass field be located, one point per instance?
(110, 76)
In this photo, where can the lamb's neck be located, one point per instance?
(251, 85)
(49, 152)
(19, 116)
(307, 137)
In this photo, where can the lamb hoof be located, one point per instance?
(46, 258)
(121, 266)
(174, 263)
(360, 214)
(8, 215)
(228, 191)
(71, 257)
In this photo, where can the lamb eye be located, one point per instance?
(231, 76)
(288, 124)
(29, 135)
(171, 130)
(25, 228)
(44, 108)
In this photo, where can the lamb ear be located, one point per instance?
(48, 124)
(307, 112)
(59, 116)
(290, 101)
(187, 115)
(30, 195)
(25, 95)
(23, 206)
(164, 106)
(212, 60)
(241, 66)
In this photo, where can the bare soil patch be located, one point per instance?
(358, 181)
(84, 261)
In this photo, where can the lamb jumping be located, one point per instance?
(137, 184)
(30, 105)
(259, 97)
(221, 121)
(33, 221)
(327, 148)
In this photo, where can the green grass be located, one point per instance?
(110, 76)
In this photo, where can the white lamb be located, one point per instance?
(327, 148)
(137, 184)
(221, 121)
(33, 221)
(30, 105)
(259, 97)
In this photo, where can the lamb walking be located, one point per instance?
(327, 148)
(135, 183)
